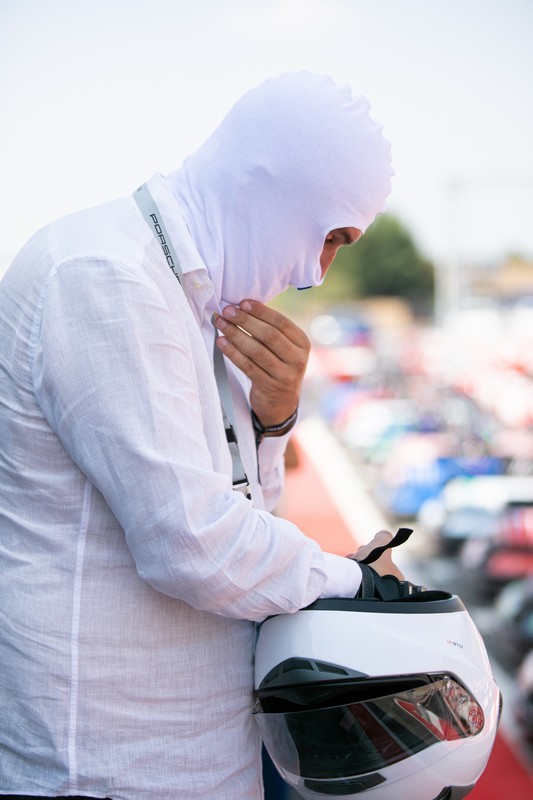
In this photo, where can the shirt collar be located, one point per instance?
(199, 284)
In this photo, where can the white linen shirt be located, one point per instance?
(130, 571)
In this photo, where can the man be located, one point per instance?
(131, 569)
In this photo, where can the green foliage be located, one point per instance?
(385, 262)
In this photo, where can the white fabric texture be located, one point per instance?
(129, 569)
(294, 158)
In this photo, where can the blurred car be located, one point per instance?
(345, 363)
(342, 349)
(524, 698)
(515, 444)
(513, 621)
(473, 507)
(492, 563)
(340, 328)
(419, 467)
(365, 424)
(468, 522)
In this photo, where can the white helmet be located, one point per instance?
(391, 698)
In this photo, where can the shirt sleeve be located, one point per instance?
(270, 457)
(114, 375)
(343, 576)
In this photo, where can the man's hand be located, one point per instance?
(384, 564)
(272, 351)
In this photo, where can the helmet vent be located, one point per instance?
(309, 667)
(296, 663)
(330, 668)
(346, 786)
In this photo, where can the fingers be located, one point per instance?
(252, 358)
(271, 350)
(384, 565)
(278, 334)
(380, 538)
(263, 343)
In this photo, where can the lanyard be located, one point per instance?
(154, 220)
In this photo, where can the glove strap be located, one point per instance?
(402, 535)
(385, 587)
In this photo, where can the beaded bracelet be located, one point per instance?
(273, 430)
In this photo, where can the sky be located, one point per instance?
(97, 96)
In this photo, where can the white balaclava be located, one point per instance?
(293, 159)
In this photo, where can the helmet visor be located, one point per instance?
(371, 734)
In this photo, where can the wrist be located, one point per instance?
(263, 431)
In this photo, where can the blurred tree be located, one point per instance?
(385, 262)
